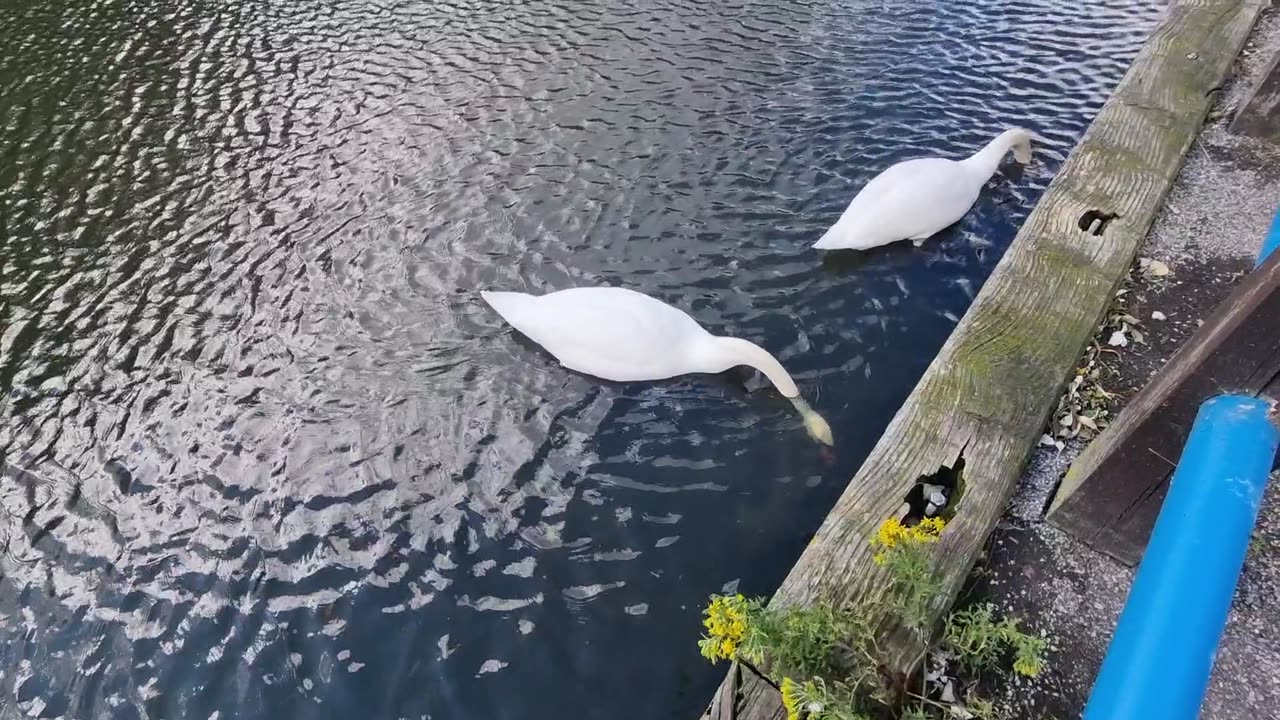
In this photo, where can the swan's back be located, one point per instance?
(909, 200)
(612, 333)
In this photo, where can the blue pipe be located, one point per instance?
(1159, 660)
(1270, 242)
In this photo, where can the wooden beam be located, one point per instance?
(1113, 492)
(724, 705)
(988, 394)
(746, 688)
(1259, 115)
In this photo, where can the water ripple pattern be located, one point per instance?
(266, 455)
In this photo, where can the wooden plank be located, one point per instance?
(1259, 115)
(1113, 492)
(725, 703)
(989, 392)
(745, 687)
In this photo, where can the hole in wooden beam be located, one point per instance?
(935, 495)
(1095, 222)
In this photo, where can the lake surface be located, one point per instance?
(267, 455)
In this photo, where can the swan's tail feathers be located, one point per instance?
(506, 304)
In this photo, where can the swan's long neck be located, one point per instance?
(722, 353)
(987, 160)
(727, 352)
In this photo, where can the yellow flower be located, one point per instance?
(726, 624)
(890, 532)
(893, 533)
(933, 526)
(1027, 666)
(1028, 660)
(790, 698)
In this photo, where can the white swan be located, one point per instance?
(619, 334)
(916, 198)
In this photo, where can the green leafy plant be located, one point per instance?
(904, 552)
(815, 699)
(982, 709)
(806, 642)
(826, 659)
(978, 641)
(973, 708)
(818, 641)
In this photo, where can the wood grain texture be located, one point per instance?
(724, 705)
(1114, 490)
(748, 690)
(990, 390)
(1259, 115)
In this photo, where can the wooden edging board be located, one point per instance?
(1113, 492)
(988, 394)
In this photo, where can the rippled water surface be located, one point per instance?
(266, 455)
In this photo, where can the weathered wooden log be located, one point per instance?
(724, 705)
(1259, 115)
(1113, 492)
(988, 394)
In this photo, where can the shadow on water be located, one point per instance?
(266, 455)
(845, 263)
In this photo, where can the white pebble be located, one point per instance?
(948, 693)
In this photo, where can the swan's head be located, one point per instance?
(814, 423)
(819, 429)
(716, 354)
(1020, 141)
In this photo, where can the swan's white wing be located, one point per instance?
(612, 333)
(911, 199)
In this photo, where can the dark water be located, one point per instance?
(267, 456)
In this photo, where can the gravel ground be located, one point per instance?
(1208, 234)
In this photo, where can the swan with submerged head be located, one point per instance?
(626, 336)
(914, 199)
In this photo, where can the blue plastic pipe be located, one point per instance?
(1159, 660)
(1271, 242)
